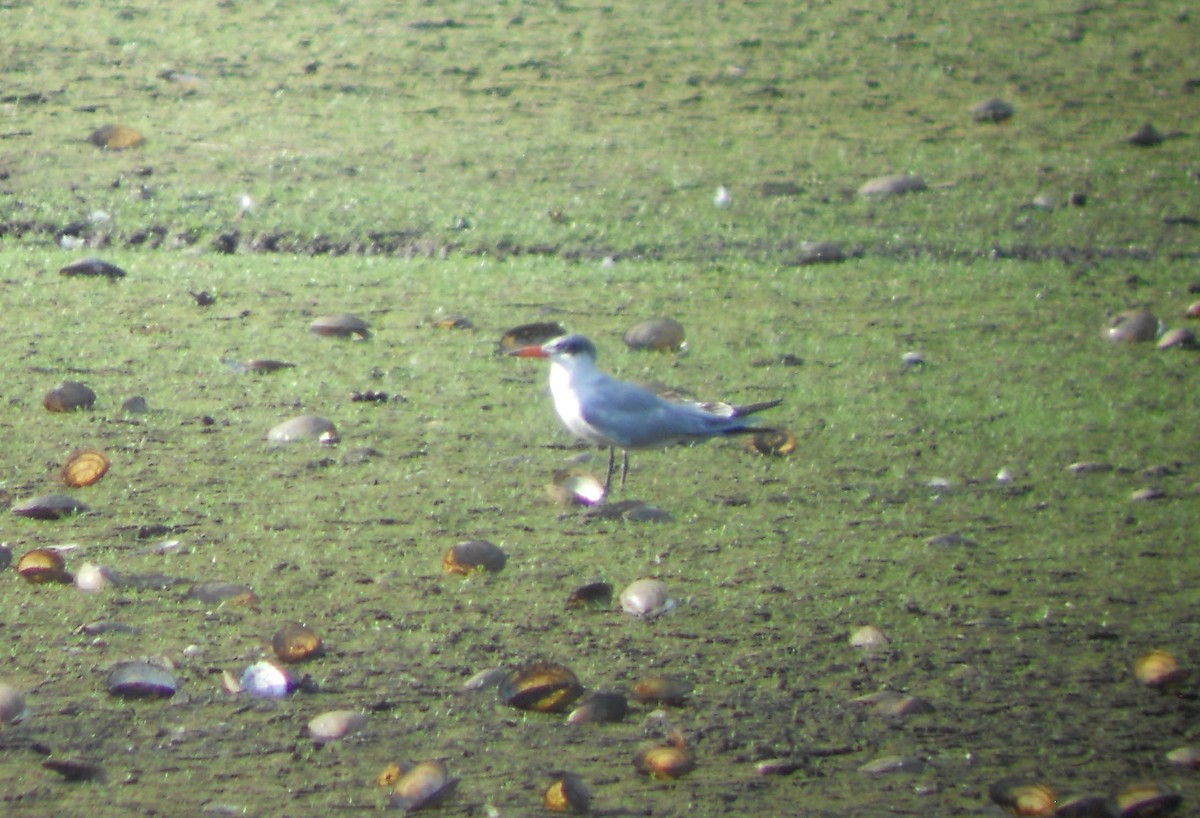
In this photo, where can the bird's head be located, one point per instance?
(563, 349)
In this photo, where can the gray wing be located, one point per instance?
(635, 418)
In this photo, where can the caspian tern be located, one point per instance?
(621, 415)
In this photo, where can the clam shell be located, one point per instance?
(868, 637)
(545, 687)
(91, 577)
(1132, 326)
(304, 427)
(341, 326)
(600, 707)
(295, 643)
(992, 110)
(267, 680)
(597, 594)
(1147, 801)
(576, 488)
(335, 724)
(92, 268)
(1185, 756)
(777, 442)
(12, 704)
(215, 592)
(141, 680)
(49, 507)
(670, 761)
(68, 397)
(84, 467)
(1020, 797)
(661, 689)
(892, 185)
(1180, 338)
(267, 365)
(423, 785)
(476, 555)
(526, 335)
(646, 598)
(116, 137)
(454, 322)
(1158, 669)
(1193, 310)
(658, 334)
(42, 566)
(820, 252)
(135, 406)
(887, 765)
(568, 793)
(1084, 806)
(76, 770)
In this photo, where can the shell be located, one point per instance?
(115, 137)
(216, 592)
(594, 594)
(304, 427)
(454, 322)
(777, 442)
(344, 325)
(267, 365)
(661, 689)
(657, 334)
(76, 770)
(1132, 326)
(12, 704)
(568, 793)
(646, 598)
(868, 637)
(295, 643)
(42, 566)
(992, 110)
(84, 467)
(820, 252)
(68, 397)
(1193, 310)
(669, 761)
(545, 687)
(899, 707)
(600, 707)
(1180, 338)
(335, 724)
(887, 765)
(267, 680)
(135, 406)
(423, 785)
(526, 335)
(92, 577)
(49, 507)
(141, 680)
(1185, 757)
(1146, 136)
(475, 555)
(576, 488)
(1084, 806)
(892, 185)
(1147, 801)
(1021, 797)
(1158, 669)
(92, 268)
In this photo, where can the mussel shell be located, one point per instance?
(141, 680)
(1084, 806)
(661, 689)
(267, 680)
(68, 397)
(135, 406)
(594, 594)
(1158, 669)
(116, 137)
(576, 488)
(49, 507)
(43, 565)
(304, 427)
(568, 793)
(83, 468)
(267, 365)
(1133, 326)
(646, 598)
(335, 724)
(669, 761)
(600, 708)
(1018, 796)
(215, 592)
(868, 637)
(295, 643)
(658, 334)
(545, 687)
(341, 326)
(92, 267)
(12, 704)
(91, 577)
(777, 442)
(76, 770)
(526, 335)
(992, 110)
(1180, 337)
(426, 783)
(454, 322)
(1147, 801)
(475, 555)
(1188, 756)
(891, 185)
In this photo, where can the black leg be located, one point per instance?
(624, 466)
(612, 454)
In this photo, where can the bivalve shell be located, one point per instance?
(335, 724)
(657, 334)
(115, 137)
(1179, 338)
(892, 185)
(12, 704)
(1020, 797)
(49, 507)
(68, 397)
(1147, 801)
(92, 268)
(1185, 757)
(661, 689)
(1158, 669)
(777, 442)
(92, 577)
(576, 488)
(600, 707)
(217, 592)
(267, 680)
(544, 687)
(992, 110)
(295, 643)
(43, 566)
(568, 793)
(868, 637)
(669, 761)
(83, 468)
(425, 784)
(141, 680)
(1132, 326)
(304, 427)
(646, 598)
(475, 555)
(591, 595)
(526, 335)
(344, 325)
(1084, 806)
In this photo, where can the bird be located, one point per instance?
(621, 415)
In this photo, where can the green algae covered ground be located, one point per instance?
(528, 162)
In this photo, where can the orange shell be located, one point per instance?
(43, 565)
(116, 137)
(84, 467)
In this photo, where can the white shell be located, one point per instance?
(265, 680)
(304, 427)
(92, 577)
(646, 598)
(12, 704)
(335, 724)
(868, 637)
